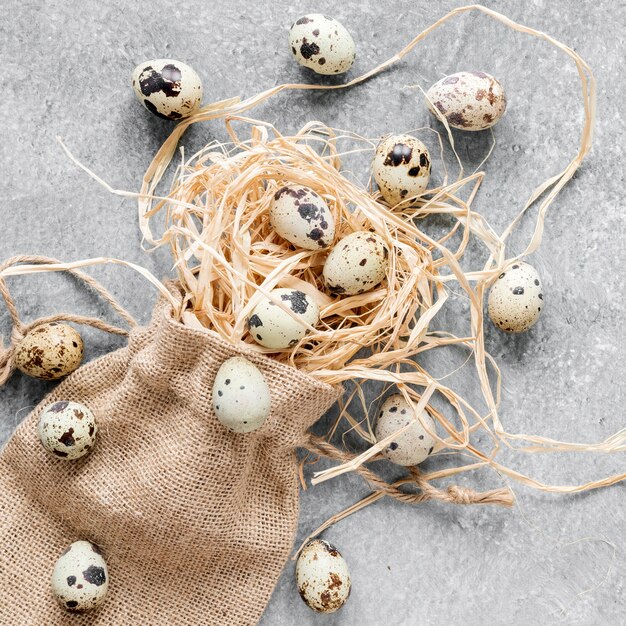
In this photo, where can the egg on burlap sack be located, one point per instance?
(241, 397)
(80, 580)
(165, 480)
(67, 429)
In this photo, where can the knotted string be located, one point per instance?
(452, 493)
(21, 329)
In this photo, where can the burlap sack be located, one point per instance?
(195, 522)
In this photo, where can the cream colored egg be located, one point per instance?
(67, 429)
(468, 100)
(274, 328)
(169, 89)
(80, 579)
(241, 397)
(49, 351)
(302, 217)
(414, 444)
(516, 298)
(401, 168)
(356, 264)
(323, 577)
(322, 44)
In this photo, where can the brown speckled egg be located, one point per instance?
(468, 100)
(241, 397)
(414, 444)
(302, 217)
(322, 44)
(356, 264)
(274, 328)
(516, 298)
(49, 351)
(169, 89)
(323, 577)
(80, 579)
(401, 168)
(67, 429)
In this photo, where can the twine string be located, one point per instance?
(20, 329)
(454, 494)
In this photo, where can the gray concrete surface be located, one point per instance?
(553, 559)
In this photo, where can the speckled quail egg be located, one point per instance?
(401, 168)
(322, 44)
(468, 100)
(274, 328)
(323, 577)
(169, 89)
(414, 444)
(516, 298)
(356, 264)
(301, 217)
(49, 351)
(80, 579)
(67, 429)
(241, 397)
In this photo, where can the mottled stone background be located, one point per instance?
(553, 559)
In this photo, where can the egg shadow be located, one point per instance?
(145, 128)
(471, 146)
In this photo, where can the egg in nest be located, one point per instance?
(356, 264)
(274, 328)
(302, 217)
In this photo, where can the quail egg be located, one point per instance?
(323, 577)
(401, 168)
(301, 217)
(80, 579)
(468, 100)
(356, 264)
(274, 328)
(169, 89)
(414, 444)
(322, 44)
(67, 429)
(516, 298)
(241, 397)
(49, 351)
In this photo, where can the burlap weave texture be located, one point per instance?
(195, 522)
